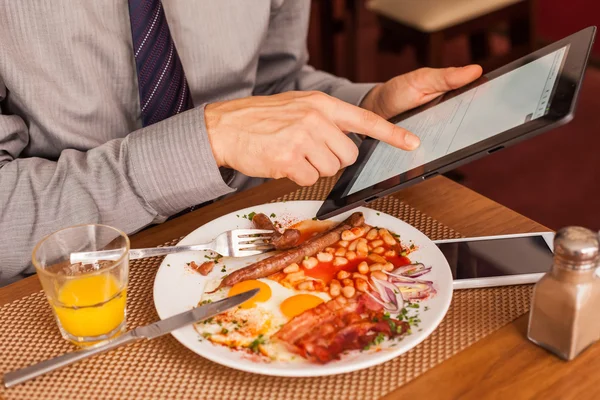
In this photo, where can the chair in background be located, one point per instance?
(427, 24)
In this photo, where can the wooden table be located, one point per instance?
(502, 365)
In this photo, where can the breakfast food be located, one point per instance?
(281, 241)
(348, 288)
(279, 261)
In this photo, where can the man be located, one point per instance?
(125, 113)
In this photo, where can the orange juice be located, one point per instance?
(91, 306)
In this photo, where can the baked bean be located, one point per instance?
(377, 258)
(361, 254)
(379, 275)
(340, 261)
(310, 263)
(352, 245)
(372, 234)
(329, 250)
(348, 236)
(348, 291)
(347, 282)
(387, 237)
(340, 252)
(335, 289)
(376, 267)
(358, 231)
(361, 285)
(363, 268)
(343, 274)
(343, 243)
(376, 243)
(362, 247)
(357, 275)
(378, 250)
(389, 267)
(306, 285)
(390, 253)
(350, 255)
(295, 277)
(291, 268)
(324, 257)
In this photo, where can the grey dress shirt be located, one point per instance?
(72, 146)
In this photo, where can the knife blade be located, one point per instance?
(147, 332)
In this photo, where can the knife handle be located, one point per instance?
(22, 375)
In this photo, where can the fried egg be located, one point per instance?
(251, 324)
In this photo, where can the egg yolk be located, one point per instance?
(299, 303)
(263, 295)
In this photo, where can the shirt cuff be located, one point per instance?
(353, 93)
(173, 164)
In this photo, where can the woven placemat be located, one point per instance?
(164, 369)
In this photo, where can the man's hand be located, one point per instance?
(298, 135)
(418, 87)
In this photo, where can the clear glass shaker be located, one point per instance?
(565, 307)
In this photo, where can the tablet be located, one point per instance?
(518, 101)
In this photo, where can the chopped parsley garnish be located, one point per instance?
(413, 305)
(168, 265)
(272, 215)
(206, 334)
(378, 213)
(256, 342)
(386, 315)
(395, 235)
(215, 258)
(314, 218)
(224, 331)
(412, 246)
(223, 269)
(402, 314)
(208, 321)
(377, 341)
(426, 308)
(205, 302)
(251, 215)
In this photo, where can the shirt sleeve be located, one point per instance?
(283, 58)
(127, 183)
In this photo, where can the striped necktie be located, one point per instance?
(163, 88)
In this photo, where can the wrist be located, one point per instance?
(211, 120)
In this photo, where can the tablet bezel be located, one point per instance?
(562, 107)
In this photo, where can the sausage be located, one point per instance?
(281, 241)
(276, 263)
(204, 268)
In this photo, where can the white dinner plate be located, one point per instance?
(177, 288)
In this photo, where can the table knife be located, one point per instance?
(143, 332)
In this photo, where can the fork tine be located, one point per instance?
(247, 232)
(260, 246)
(252, 239)
(251, 253)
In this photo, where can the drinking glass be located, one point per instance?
(88, 300)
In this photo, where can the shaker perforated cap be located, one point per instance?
(577, 247)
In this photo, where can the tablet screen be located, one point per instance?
(493, 107)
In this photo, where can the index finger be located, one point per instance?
(350, 118)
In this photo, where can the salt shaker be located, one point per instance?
(565, 308)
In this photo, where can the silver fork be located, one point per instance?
(235, 243)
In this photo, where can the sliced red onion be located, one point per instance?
(391, 298)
